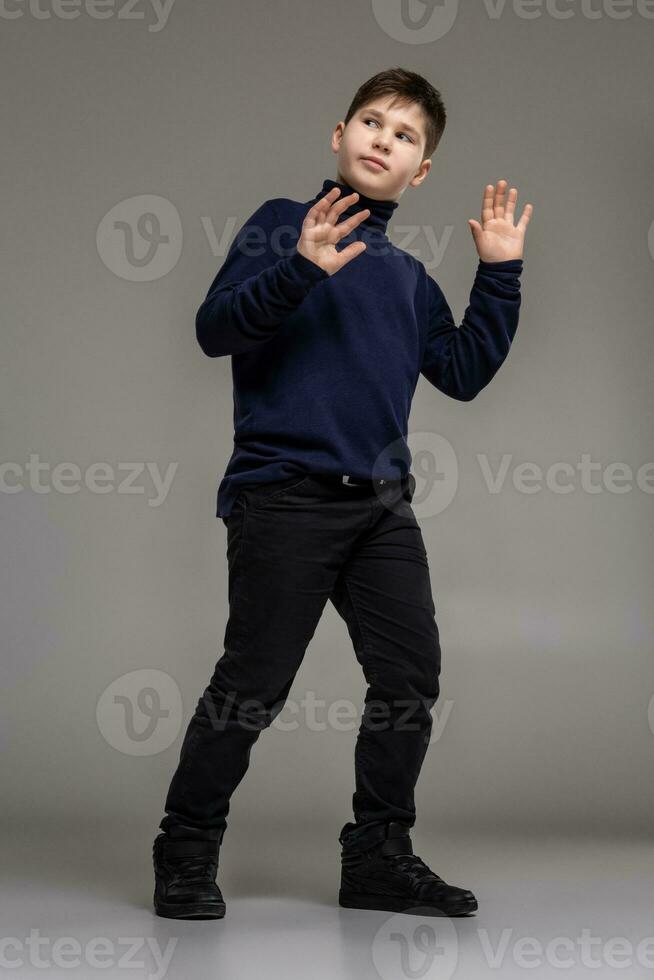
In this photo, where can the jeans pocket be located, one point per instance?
(263, 493)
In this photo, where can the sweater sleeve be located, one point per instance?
(255, 289)
(460, 361)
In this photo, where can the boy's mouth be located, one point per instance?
(374, 163)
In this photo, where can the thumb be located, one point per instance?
(476, 230)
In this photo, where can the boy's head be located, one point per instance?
(398, 117)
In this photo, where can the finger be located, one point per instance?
(344, 228)
(338, 207)
(510, 204)
(487, 204)
(349, 253)
(498, 206)
(475, 229)
(526, 215)
(321, 207)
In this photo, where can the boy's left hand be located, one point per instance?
(497, 238)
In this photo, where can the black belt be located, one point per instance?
(344, 479)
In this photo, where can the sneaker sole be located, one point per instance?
(397, 903)
(170, 910)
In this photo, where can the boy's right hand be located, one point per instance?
(320, 232)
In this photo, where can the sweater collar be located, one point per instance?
(380, 211)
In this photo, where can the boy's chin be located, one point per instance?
(364, 180)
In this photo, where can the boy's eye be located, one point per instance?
(401, 134)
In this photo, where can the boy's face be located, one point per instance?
(395, 134)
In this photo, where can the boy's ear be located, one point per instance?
(423, 170)
(337, 135)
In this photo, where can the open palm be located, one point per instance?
(497, 238)
(320, 232)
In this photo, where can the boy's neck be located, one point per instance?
(380, 211)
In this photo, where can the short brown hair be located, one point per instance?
(410, 87)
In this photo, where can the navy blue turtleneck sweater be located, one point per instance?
(324, 367)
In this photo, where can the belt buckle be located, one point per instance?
(348, 483)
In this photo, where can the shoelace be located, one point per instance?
(412, 863)
(194, 870)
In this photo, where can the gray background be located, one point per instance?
(542, 598)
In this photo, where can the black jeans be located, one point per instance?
(291, 546)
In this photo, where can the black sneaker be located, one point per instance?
(380, 871)
(185, 873)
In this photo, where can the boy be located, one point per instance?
(327, 346)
